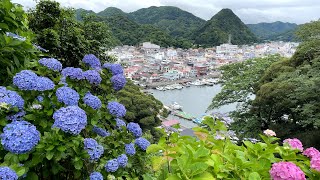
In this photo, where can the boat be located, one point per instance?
(159, 88)
(177, 86)
(175, 106)
(197, 83)
(168, 87)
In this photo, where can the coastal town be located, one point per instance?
(150, 65)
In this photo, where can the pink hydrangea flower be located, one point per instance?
(315, 163)
(269, 132)
(286, 171)
(294, 143)
(311, 152)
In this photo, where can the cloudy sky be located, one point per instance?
(250, 11)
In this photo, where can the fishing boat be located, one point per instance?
(175, 106)
(160, 88)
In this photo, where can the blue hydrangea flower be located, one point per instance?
(122, 160)
(19, 137)
(112, 165)
(51, 63)
(135, 129)
(101, 132)
(120, 123)
(44, 84)
(93, 101)
(25, 80)
(40, 48)
(142, 143)
(40, 98)
(11, 97)
(116, 109)
(17, 116)
(68, 96)
(71, 119)
(118, 82)
(73, 73)
(94, 150)
(130, 149)
(114, 68)
(7, 173)
(107, 65)
(92, 76)
(92, 61)
(96, 176)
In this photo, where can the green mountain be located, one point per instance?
(176, 22)
(217, 30)
(112, 11)
(268, 31)
(82, 12)
(132, 33)
(285, 36)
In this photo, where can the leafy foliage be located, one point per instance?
(14, 53)
(216, 31)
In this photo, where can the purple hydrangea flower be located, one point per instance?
(19, 137)
(130, 149)
(92, 76)
(17, 116)
(122, 160)
(71, 119)
(44, 84)
(25, 80)
(100, 131)
(294, 143)
(311, 152)
(96, 176)
(92, 61)
(286, 170)
(7, 173)
(315, 163)
(115, 69)
(116, 109)
(118, 82)
(40, 98)
(94, 150)
(11, 97)
(120, 123)
(135, 129)
(51, 63)
(142, 143)
(68, 96)
(112, 165)
(93, 101)
(73, 73)
(107, 65)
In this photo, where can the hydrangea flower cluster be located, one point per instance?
(17, 116)
(122, 160)
(93, 101)
(11, 97)
(96, 176)
(8, 174)
(118, 82)
(68, 96)
(112, 165)
(19, 137)
(223, 118)
(142, 143)
(115, 69)
(92, 76)
(92, 61)
(269, 132)
(71, 119)
(315, 163)
(294, 143)
(107, 65)
(40, 98)
(94, 150)
(73, 73)
(116, 109)
(120, 123)
(28, 80)
(135, 129)
(51, 63)
(311, 152)
(285, 171)
(130, 149)
(101, 132)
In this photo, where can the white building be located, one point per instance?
(149, 45)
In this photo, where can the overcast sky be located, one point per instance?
(250, 11)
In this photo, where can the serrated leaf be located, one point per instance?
(49, 155)
(154, 148)
(254, 176)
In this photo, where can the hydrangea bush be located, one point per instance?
(208, 157)
(65, 123)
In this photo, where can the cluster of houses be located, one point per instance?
(150, 63)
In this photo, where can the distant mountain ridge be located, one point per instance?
(270, 31)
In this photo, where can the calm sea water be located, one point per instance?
(194, 100)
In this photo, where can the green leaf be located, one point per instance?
(32, 176)
(49, 155)
(78, 164)
(51, 147)
(254, 176)
(61, 148)
(204, 176)
(154, 148)
(173, 177)
(21, 171)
